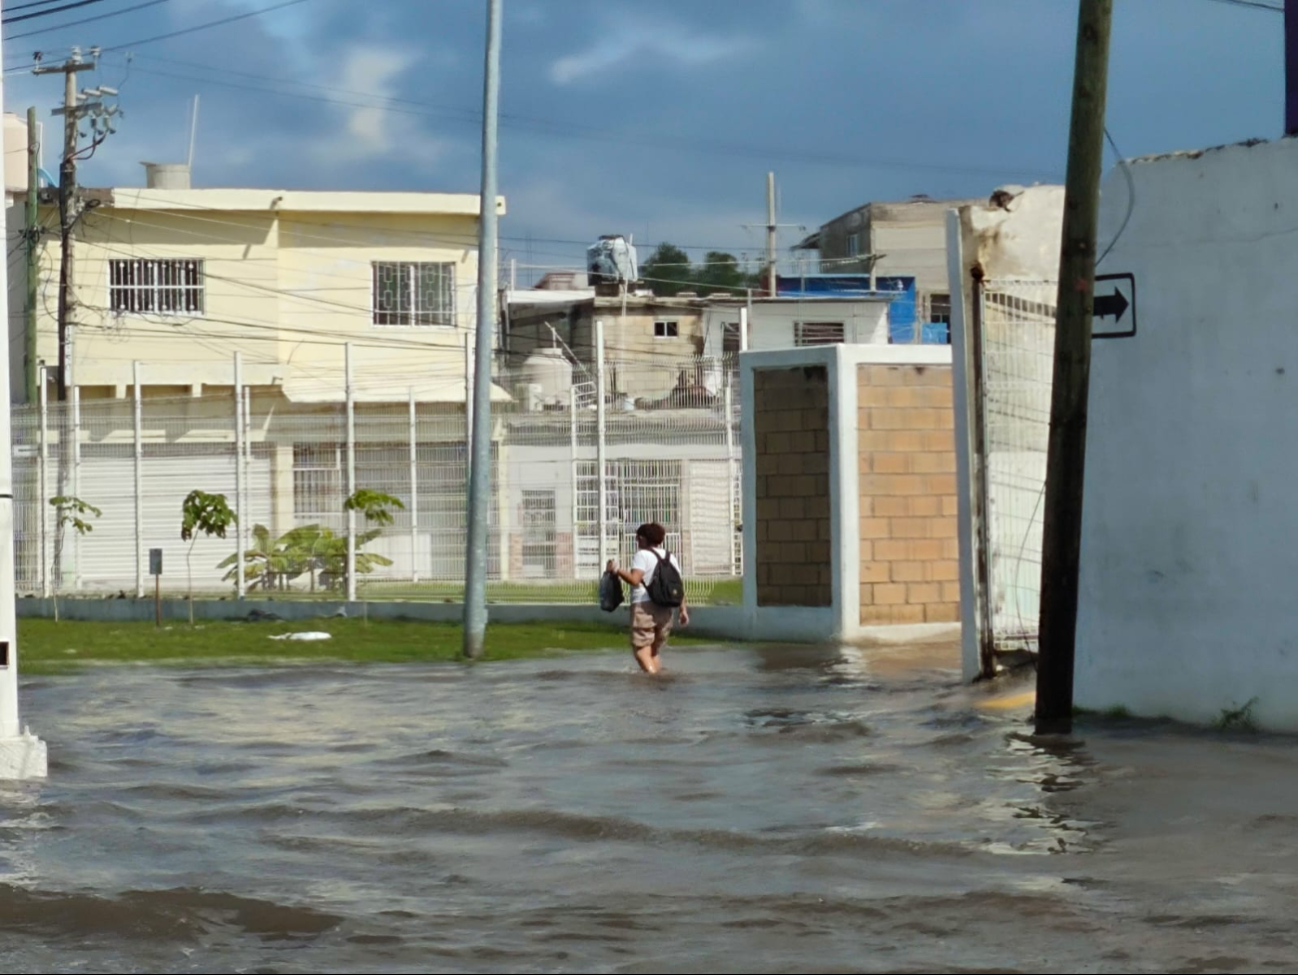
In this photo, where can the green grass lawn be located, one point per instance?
(46, 647)
(701, 592)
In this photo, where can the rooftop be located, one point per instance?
(291, 201)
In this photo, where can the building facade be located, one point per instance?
(906, 238)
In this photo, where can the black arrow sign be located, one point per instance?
(1111, 306)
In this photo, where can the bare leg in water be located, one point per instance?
(647, 658)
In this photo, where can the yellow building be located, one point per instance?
(175, 281)
(179, 279)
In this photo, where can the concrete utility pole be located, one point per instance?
(30, 346)
(22, 756)
(475, 570)
(1065, 468)
(76, 107)
(772, 232)
(71, 113)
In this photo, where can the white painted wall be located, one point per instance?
(1018, 237)
(772, 325)
(1189, 581)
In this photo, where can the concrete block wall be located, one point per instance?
(909, 548)
(850, 515)
(794, 529)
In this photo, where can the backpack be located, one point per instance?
(666, 587)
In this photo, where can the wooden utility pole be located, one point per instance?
(31, 349)
(1065, 467)
(67, 215)
(1291, 67)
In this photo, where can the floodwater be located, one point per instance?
(772, 811)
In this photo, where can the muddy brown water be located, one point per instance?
(760, 811)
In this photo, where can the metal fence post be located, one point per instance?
(76, 482)
(575, 479)
(240, 588)
(414, 489)
(468, 406)
(139, 482)
(730, 471)
(601, 445)
(43, 481)
(247, 456)
(351, 473)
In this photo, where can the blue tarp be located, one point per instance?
(902, 318)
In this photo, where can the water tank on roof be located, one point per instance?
(166, 176)
(611, 260)
(550, 372)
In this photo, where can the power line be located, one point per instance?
(457, 240)
(87, 20)
(202, 27)
(28, 6)
(46, 13)
(1253, 4)
(556, 129)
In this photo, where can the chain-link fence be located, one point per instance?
(671, 456)
(1018, 336)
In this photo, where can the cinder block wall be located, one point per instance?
(910, 557)
(794, 559)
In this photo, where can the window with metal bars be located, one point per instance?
(817, 333)
(414, 294)
(730, 337)
(148, 286)
(318, 484)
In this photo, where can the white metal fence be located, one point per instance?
(1018, 335)
(673, 458)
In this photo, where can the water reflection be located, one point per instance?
(781, 810)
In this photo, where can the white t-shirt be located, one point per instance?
(646, 562)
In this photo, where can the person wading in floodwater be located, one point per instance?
(656, 593)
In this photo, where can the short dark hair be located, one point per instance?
(653, 533)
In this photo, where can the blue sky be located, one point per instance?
(659, 118)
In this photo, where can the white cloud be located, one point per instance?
(626, 40)
(372, 71)
(370, 132)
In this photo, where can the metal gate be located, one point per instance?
(1016, 328)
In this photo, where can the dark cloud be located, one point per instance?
(661, 117)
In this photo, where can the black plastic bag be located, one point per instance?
(610, 592)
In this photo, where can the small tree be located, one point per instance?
(668, 270)
(203, 514)
(376, 507)
(70, 512)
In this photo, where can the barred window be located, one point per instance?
(148, 286)
(414, 294)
